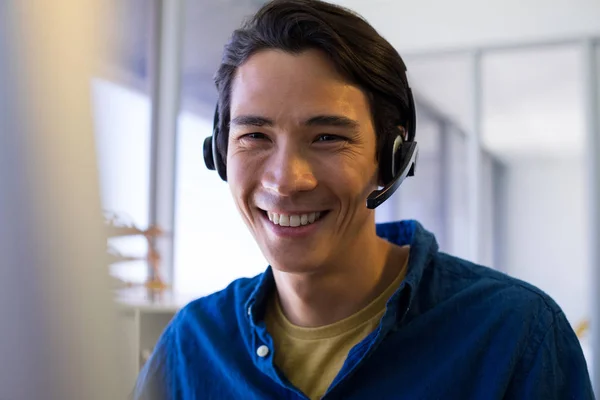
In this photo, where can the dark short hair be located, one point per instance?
(359, 53)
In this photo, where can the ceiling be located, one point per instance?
(531, 96)
(531, 104)
(432, 25)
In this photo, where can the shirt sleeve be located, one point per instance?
(153, 382)
(555, 367)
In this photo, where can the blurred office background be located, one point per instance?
(502, 90)
(507, 101)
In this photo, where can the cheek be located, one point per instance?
(244, 173)
(238, 177)
(354, 179)
(357, 167)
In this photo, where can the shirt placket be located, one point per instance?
(391, 320)
(262, 356)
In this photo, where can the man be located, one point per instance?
(313, 109)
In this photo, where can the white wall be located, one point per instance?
(546, 230)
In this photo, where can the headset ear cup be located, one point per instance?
(385, 162)
(208, 154)
(220, 166)
(403, 156)
(399, 157)
(212, 158)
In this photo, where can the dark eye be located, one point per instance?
(255, 136)
(329, 138)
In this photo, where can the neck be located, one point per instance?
(338, 291)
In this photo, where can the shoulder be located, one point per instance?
(201, 327)
(463, 275)
(219, 309)
(207, 329)
(519, 320)
(518, 314)
(482, 296)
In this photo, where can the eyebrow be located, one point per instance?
(251, 120)
(333, 120)
(319, 120)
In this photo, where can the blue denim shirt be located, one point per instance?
(453, 330)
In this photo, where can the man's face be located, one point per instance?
(301, 158)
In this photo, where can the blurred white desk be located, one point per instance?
(143, 316)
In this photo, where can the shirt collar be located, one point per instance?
(409, 232)
(256, 304)
(422, 247)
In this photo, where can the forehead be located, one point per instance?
(278, 84)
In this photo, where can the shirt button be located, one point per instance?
(262, 351)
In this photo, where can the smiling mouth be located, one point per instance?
(294, 220)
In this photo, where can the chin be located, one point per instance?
(291, 263)
(295, 269)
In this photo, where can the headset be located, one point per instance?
(397, 160)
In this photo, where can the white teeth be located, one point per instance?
(293, 220)
(284, 220)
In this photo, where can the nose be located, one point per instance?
(289, 172)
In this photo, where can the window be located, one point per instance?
(213, 246)
(121, 108)
(122, 119)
